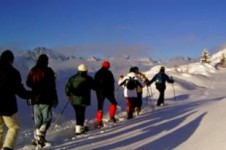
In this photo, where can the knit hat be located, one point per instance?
(106, 64)
(82, 67)
(162, 69)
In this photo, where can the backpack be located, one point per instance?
(159, 79)
(131, 83)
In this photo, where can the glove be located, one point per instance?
(120, 77)
(171, 80)
(147, 82)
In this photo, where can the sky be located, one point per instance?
(159, 29)
(195, 111)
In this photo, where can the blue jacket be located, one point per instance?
(164, 78)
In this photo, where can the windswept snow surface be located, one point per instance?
(194, 118)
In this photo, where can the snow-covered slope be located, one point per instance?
(195, 115)
(215, 58)
(196, 102)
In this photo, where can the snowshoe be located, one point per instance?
(40, 142)
(86, 129)
(112, 119)
(100, 125)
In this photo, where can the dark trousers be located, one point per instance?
(139, 100)
(161, 97)
(79, 114)
(101, 97)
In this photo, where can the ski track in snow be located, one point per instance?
(187, 115)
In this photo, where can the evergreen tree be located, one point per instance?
(205, 57)
(223, 61)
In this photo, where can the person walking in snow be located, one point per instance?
(78, 90)
(105, 88)
(160, 80)
(41, 79)
(130, 83)
(139, 88)
(10, 86)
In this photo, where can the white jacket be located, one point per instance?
(127, 92)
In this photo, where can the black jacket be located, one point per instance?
(104, 81)
(10, 86)
(42, 82)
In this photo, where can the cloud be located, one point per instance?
(106, 50)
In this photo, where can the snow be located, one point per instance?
(193, 119)
(216, 57)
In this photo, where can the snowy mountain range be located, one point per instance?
(195, 85)
(60, 56)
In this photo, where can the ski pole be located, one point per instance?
(174, 92)
(173, 89)
(116, 91)
(65, 106)
(32, 112)
(149, 97)
(62, 111)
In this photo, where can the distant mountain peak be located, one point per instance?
(34, 54)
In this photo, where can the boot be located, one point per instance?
(39, 138)
(112, 110)
(137, 111)
(78, 130)
(99, 117)
(86, 129)
(100, 125)
(43, 128)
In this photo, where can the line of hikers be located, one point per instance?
(43, 95)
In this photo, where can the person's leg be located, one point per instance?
(47, 117)
(80, 119)
(80, 114)
(37, 116)
(44, 119)
(38, 123)
(129, 108)
(112, 107)
(134, 104)
(161, 100)
(12, 124)
(160, 97)
(139, 101)
(99, 114)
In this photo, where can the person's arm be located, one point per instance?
(29, 80)
(68, 87)
(169, 79)
(142, 77)
(122, 80)
(93, 85)
(152, 80)
(20, 90)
